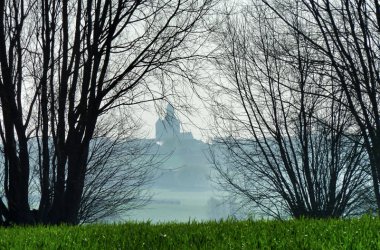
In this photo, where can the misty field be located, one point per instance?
(361, 233)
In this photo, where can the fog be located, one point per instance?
(183, 189)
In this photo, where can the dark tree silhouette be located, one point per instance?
(346, 35)
(118, 169)
(283, 145)
(64, 65)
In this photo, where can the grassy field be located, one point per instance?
(361, 233)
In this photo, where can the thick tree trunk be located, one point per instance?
(17, 195)
(55, 215)
(74, 190)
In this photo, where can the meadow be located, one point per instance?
(363, 233)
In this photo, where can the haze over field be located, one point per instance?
(183, 189)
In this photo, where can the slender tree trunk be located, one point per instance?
(374, 154)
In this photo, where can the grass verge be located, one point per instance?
(363, 233)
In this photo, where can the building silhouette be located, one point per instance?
(187, 167)
(169, 128)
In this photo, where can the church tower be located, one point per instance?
(168, 127)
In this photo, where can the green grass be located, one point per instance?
(361, 233)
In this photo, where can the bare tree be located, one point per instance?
(283, 145)
(119, 168)
(64, 65)
(348, 38)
